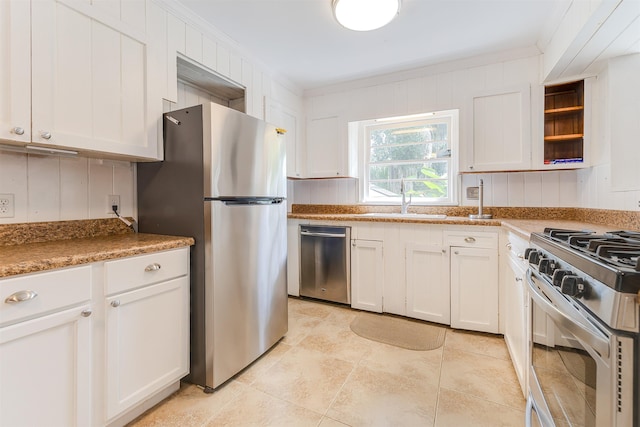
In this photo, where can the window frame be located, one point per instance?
(363, 128)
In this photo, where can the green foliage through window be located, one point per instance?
(418, 151)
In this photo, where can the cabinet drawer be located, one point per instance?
(42, 293)
(516, 247)
(130, 273)
(473, 239)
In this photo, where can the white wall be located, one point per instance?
(588, 188)
(52, 188)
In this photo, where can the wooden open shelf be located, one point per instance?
(563, 137)
(564, 110)
(564, 122)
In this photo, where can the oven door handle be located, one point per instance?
(586, 332)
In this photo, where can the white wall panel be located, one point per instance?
(74, 194)
(550, 188)
(533, 189)
(100, 186)
(209, 53)
(43, 188)
(500, 189)
(13, 180)
(223, 57)
(516, 189)
(193, 44)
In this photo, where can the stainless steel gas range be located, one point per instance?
(584, 328)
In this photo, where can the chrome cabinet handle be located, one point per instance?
(115, 303)
(86, 313)
(469, 239)
(457, 253)
(20, 296)
(521, 256)
(508, 245)
(153, 267)
(18, 130)
(45, 135)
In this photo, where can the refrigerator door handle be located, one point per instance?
(230, 201)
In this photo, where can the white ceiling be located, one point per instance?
(301, 40)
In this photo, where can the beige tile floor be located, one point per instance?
(322, 374)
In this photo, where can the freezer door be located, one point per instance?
(247, 308)
(247, 156)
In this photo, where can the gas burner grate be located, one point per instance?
(625, 256)
(563, 235)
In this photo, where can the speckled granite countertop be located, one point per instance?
(522, 221)
(27, 252)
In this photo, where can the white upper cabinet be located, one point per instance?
(15, 71)
(88, 79)
(74, 77)
(279, 115)
(500, 131)
(624, 106)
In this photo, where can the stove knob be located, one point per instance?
(527, 252)
(558, 275)
(572, 286)
(533, 257)
(546, 266)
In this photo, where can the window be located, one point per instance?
(419, 149)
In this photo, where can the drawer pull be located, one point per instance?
(469, 239)
(86, 313)
(508, 245)
(115, 303)
(152, 267)
(20, 296)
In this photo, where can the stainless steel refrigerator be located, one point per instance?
(223, 181)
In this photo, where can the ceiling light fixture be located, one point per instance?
(365, 15)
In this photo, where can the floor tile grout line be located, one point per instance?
(435, 415)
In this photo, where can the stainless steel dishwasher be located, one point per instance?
(325, 263)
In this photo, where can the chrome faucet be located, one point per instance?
(405, 204)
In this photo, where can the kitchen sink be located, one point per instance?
(401, 215)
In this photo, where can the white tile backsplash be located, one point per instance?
(52, 188)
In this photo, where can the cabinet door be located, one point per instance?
(324, 151)
(147, 342)
(366, 275)
(500, 131)
(293, 257)
(624, 107)
(515, 322)
(474, 289)
(427, 275)
(278, 115)
(15, 71)
(45, 370)
(88, 82)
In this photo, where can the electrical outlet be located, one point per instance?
(473, 193)
(113, 200)
(7, 205)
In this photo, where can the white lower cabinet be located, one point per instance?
(474, 281)
(45, 349)
(427, 280)
(61, 328)
(515, 322)
(146, 343)
(146, 327)
(367, 274)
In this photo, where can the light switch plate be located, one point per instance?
(472, 193)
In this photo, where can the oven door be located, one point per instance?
(570, 375)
